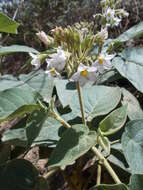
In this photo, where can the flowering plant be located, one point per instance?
(72, 104)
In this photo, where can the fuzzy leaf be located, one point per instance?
(132, 143)
(75, 142)
(130, 66)
(114, 121)
(97, 100)
(134, 110)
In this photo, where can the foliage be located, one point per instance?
(70, 105)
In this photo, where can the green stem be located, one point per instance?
(106, 164)
(80, 102)
(98, 174)
(50, 173)
(60, 119)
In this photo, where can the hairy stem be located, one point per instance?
(98, 174)
(60, 119)
(81, 103)
(106, 164)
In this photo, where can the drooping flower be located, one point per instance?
(57, 60)
(36, 62)
(103, 62)
(85, 74)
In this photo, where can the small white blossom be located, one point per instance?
(57, 60)
(111, 18)
(35, 60)
(85, 74)
(103, 34)
(103, 62)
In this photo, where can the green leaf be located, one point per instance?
(110, 187)
(97, 100)
(8, 81)
(130, 66)
(15, 137)
(49, 134)
(26, 133)
(136, 182)
(34, 125)
(8, 25)
(22, 175)
(39, 82)
(134, 32)
(134, 110)
(14, 102)
(117, 157)
(132, 143)
(114, 121)
(65, 91)
(16, 48)
(74, 143)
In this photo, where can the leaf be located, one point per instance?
(49, 134)
(97, 101)
(132, 143)
(117, 157)
(134, 32)
(65, 91)
(74, 143)
(130, 66)
(34, 125)
(110, 187)
(8, 81)
(37, 129)
(8, 25)
(114, 121)
(136, 182)
(40, 82)
(134, 110)
(13, 99)
(15, 137)
(16, 48)
(22, 175)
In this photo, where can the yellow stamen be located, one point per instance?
(52, 71)
(100, 60)
(84, 73)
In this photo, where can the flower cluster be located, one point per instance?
(112, 16)
(85, 74)
(55, 62)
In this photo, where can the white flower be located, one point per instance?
(53, 73)
(109, 13)
(57, 60)
(103, 34)
(111, 18)
(85, 74)
(103, 62)
(35, 60)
